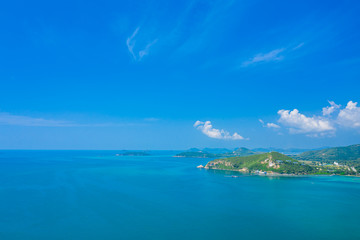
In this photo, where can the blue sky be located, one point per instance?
(179, 74)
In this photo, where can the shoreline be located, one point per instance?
(276, 174)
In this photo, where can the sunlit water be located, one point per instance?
(96, 195)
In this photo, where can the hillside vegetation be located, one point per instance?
(274, 162)
(332, 154)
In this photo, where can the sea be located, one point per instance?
(97, 195)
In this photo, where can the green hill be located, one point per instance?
(274, 162)
(339, 154)
(243, 152)
(287, 151)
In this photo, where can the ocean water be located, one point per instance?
(96, 195)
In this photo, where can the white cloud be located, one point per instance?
(269, 125)
(208, 130)
(299, 123)
(333, 117)
(265, 57)
(330, 109)
(130, 43)
(350, 115)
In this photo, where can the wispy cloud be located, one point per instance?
(27, 121)
(130, 43)
(9, 119)
(193, 27)
(275, 55)
(186, 32)
(268, 125)
(151, 119)
(271, 56)
(145, 51)
(298, 46)
(207, 129)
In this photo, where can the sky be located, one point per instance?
(179, 74)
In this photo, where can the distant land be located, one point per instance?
(328, 161)
(224, 152)
(133, 153)
(286, 151)
(215, 153)
(340, 154)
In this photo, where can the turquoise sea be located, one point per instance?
(97, 195)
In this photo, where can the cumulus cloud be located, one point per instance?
(274, 55)
(350, 115)
(330, 109)
(207, 128)
(333, 117)
(130, 43)
(299, 123)
(269, 125)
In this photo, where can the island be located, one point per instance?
(275, 163)
(133, 153)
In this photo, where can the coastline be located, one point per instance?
(274, 174)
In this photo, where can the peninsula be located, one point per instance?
(275, 163)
